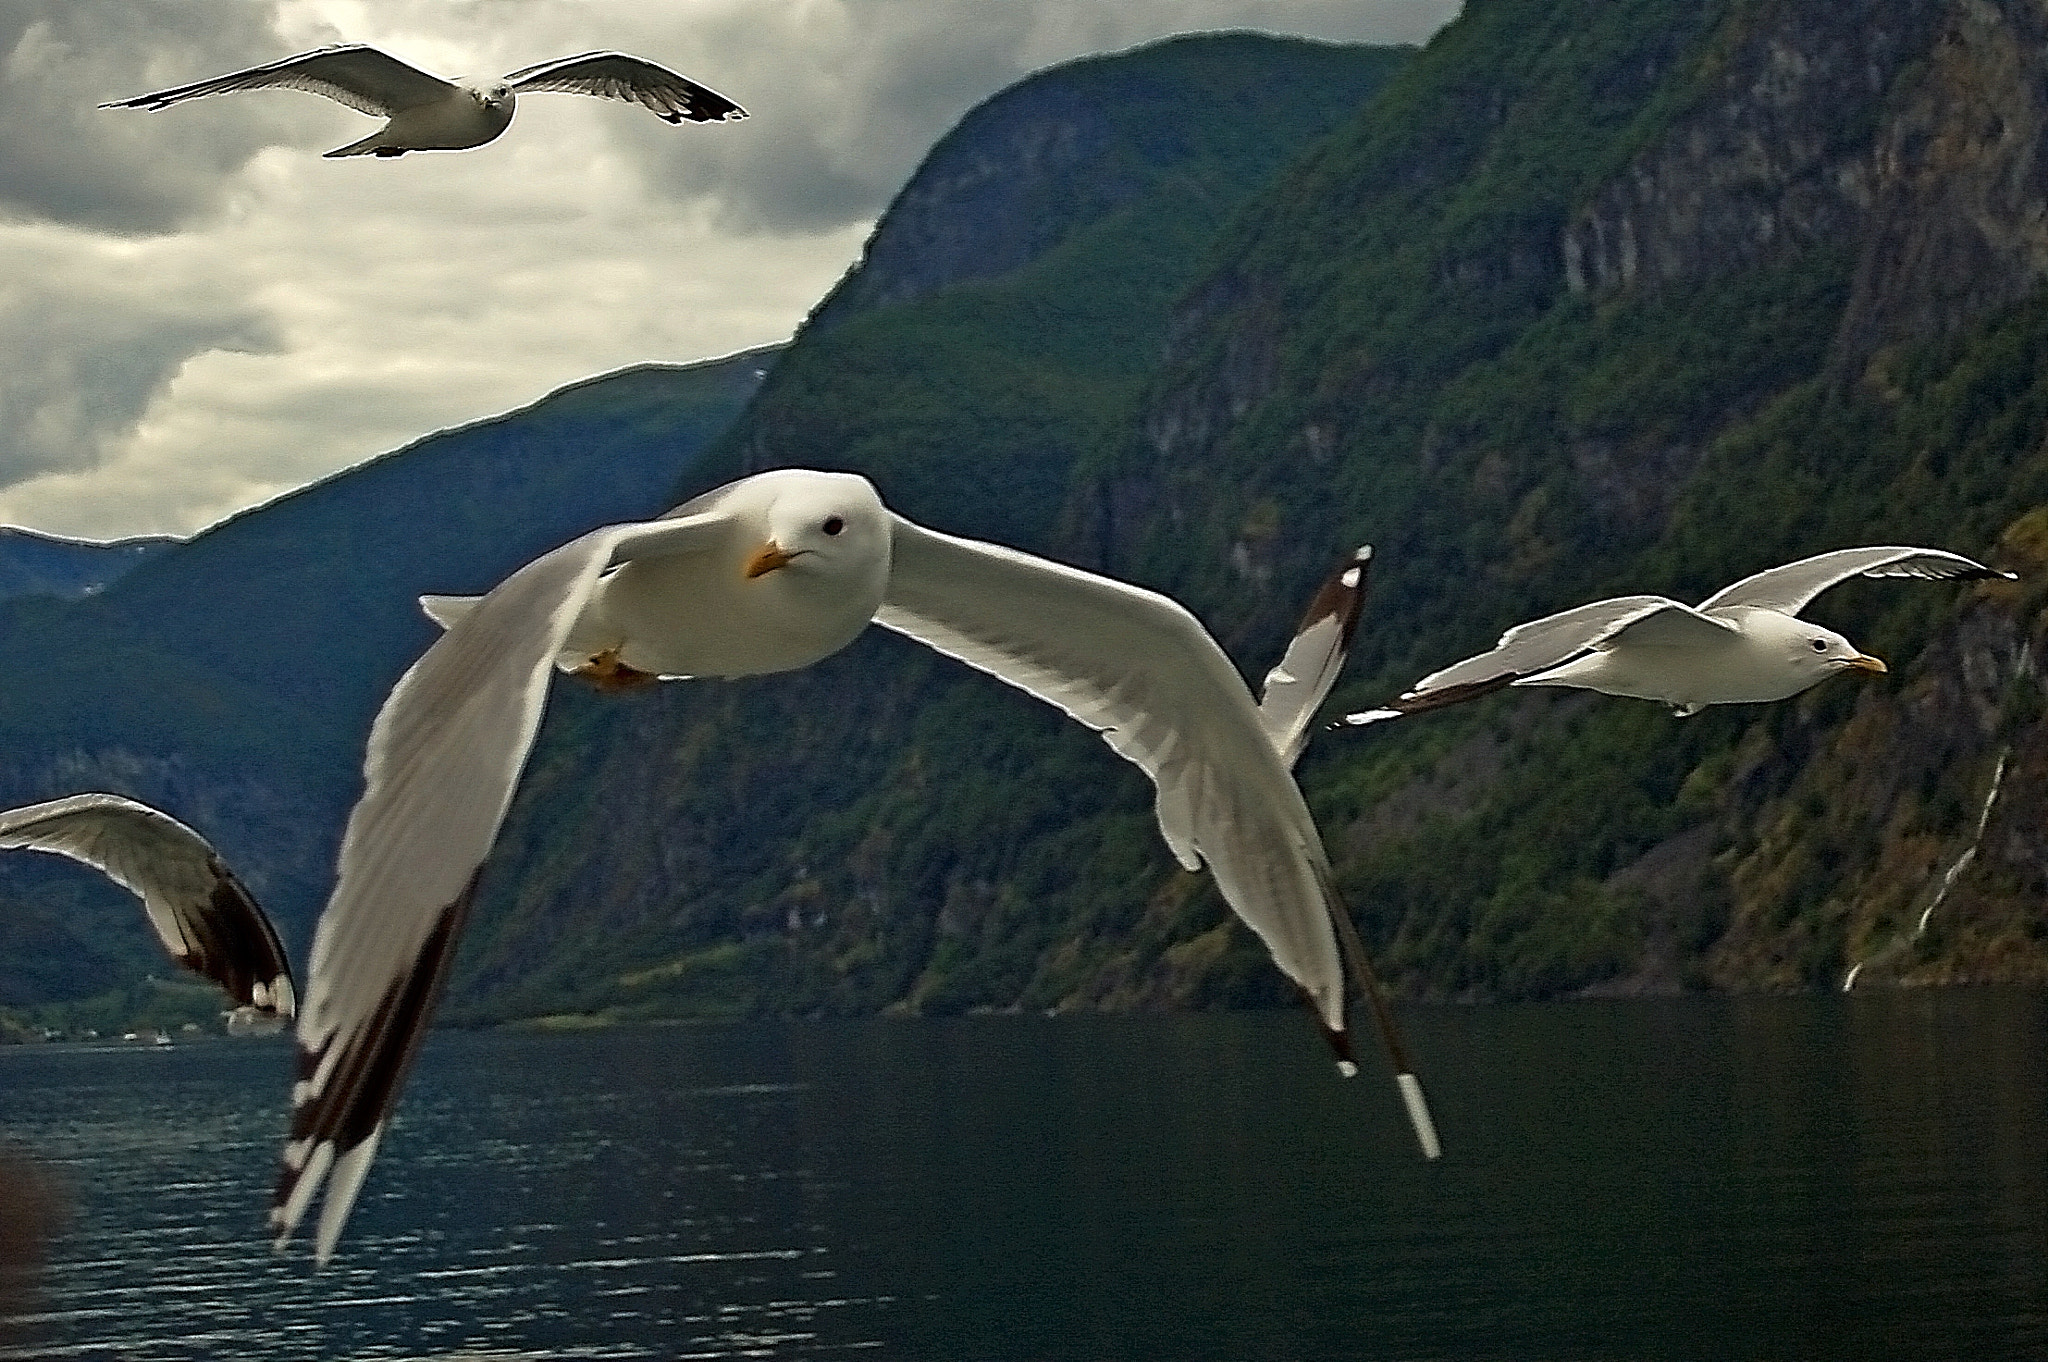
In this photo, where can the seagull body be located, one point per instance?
(767, 574)
(1743, 645)
(427, 113)
(203, 915)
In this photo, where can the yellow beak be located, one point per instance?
(1865, 662)
(766, 559)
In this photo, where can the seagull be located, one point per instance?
(1745, 644)
(767, 574)
(428, 113)
(205, 917)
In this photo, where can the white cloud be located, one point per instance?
(200, 312)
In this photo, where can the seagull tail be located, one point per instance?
(373, 145)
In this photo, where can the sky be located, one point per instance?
(199, 313)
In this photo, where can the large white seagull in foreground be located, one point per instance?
(428, 113)
(1745, 644)
(768, 574)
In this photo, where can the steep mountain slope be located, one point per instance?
(967, 382)
(232, 679)
(1594, 296)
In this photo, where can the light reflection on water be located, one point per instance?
(1837, 1177)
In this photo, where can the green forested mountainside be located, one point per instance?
(1595, 296)
(33, 564)
(231, 679)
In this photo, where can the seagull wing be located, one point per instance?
(363, 78)
(205, 917)
(1314, 657)
(1524, 650)
(1139, 669)
(614, 75)
(1788, 589)
(444, 756)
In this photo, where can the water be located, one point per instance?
(1842, 1177)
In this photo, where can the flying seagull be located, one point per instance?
(204, 916)
(767, 574)
(427, 113)
(1742, 645)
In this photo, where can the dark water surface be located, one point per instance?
(1859, 1177)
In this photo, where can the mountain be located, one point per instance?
(1588, 297)
(33, 564)
(231, 679)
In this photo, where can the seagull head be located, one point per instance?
(493, 96)
(1811, 651)
(816, 525)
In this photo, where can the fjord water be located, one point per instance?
(1859, 1177)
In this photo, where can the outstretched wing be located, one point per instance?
(205, 917)
(361, 77)
(1316, 654)
(614, 75)
(1788, 589)
(1523, 651)
(1139, 669)
(444, 756)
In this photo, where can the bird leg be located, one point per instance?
(610, 675)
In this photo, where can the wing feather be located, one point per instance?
(614, 75)
(445, 754)
(1789, 589)
(363, 78)
(1299, 684)
(1139, 669)
(205, 917)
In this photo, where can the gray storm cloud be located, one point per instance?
(83, 366)
(62, 159)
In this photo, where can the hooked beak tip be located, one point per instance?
(1865, 662)
(766, 559)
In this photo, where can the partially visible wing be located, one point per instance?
(614, 75)
(205, 917)
(444, 756)
(1314, 657)
(1139, 669)
(1523, 651)
(361, 77)
(1788, 589)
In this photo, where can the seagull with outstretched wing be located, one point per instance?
(204, 916)
(1745, 644)
(768, 574)
(427, 113)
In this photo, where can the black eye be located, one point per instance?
(1820, 645)
(833, 525)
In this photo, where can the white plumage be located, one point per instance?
(204, 916)
(1744, 644)
(427, 113)
(767, 574)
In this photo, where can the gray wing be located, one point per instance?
(361, 77)
(614, 75)
(1315, 655)
(1523, 651)
(205, 917)
(1139, 669)
(1788, 589)
(444, 756)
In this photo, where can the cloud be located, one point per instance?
(63, 159)
(85, 357)
(197, 312)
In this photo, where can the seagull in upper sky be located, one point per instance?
(768, 574)
(1745, 644)
(204, 916)
(428, 113)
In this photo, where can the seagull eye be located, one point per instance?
(1820, 645)
(833, 524)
